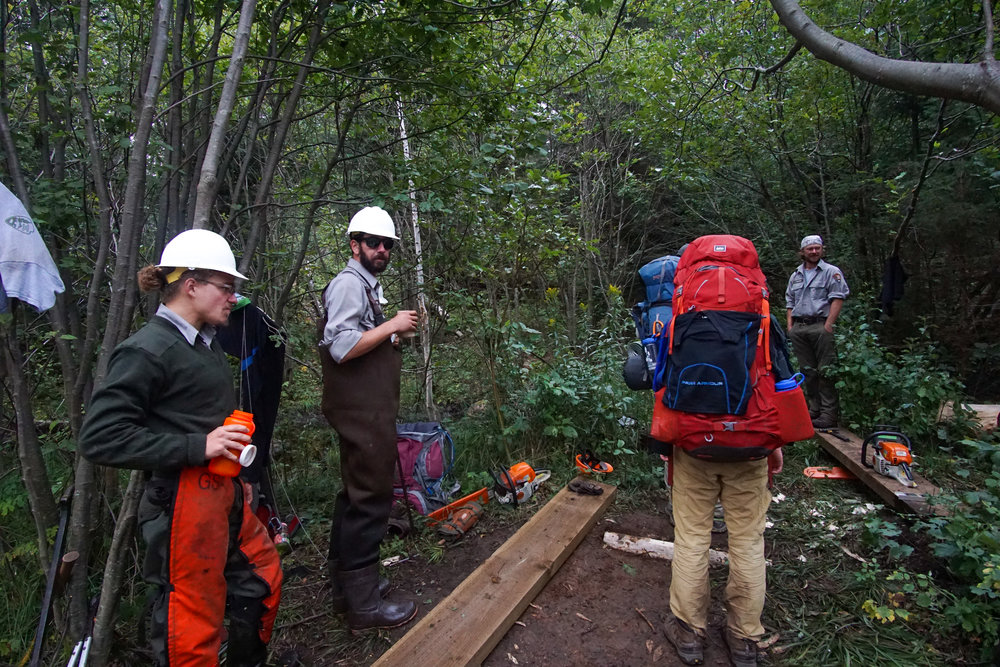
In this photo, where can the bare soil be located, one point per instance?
(603, 606)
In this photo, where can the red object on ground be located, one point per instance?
(481, 496)
(821, 472)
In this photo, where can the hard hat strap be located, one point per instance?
(175, 275)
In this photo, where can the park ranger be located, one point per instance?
(814, 298)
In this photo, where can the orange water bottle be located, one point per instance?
(220, 465)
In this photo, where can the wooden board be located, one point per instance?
(464, 627)
(889, 490)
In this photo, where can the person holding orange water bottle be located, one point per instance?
(167, 407)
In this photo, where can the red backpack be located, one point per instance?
(717, 396)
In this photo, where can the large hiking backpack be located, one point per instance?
(715, 376)
(652, 318)
(426, 457)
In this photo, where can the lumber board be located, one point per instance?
(903, 498)
(988, 415)
(465, 626)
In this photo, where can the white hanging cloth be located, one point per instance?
(26, 267)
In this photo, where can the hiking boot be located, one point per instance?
(686, 641)
(742, 651)
(824, 422)
(366, 610)
(244, 647)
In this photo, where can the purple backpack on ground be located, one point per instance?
(426, 457)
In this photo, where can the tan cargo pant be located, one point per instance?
(742, 487)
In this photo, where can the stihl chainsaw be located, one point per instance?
(517, 484)
(890, 455)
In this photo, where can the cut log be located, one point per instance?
(464, 627)
(648, 546)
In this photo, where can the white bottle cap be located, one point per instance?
(248, 454)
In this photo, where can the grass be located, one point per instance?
(818, 584)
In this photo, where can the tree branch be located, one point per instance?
(976, 83)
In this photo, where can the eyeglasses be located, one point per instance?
(226, 288)
(373, 242)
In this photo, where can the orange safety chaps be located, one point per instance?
(207, 552)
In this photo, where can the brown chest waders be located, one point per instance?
(360, 401)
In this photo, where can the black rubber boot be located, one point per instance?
(366, 609)
(337, 600)
(245, 648)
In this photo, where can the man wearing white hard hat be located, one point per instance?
(161, 409)
(814, 298)
(361, 371)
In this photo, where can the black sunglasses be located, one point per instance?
(373, 242)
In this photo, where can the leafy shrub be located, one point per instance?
(904, 388)
(577, 400)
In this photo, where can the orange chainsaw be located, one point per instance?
(517, 484)
(890, 456)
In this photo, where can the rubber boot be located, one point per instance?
(366, 609)
(337, 600)
(245, 648)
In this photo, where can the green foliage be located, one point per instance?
(880, 534)
(903, 387)
(965, 541)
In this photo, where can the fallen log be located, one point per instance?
(648, 546)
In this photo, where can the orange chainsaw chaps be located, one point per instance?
(199, 548)
(197, 602)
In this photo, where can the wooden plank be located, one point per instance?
(987, 415)
(464, 627)
(894, 494)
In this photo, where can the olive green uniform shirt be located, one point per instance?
(160, 399)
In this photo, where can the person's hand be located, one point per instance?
(225, 438)
(775, 462)
(404, 322)
(828, 326)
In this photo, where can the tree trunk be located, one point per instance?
(119, 309)
(258, 214)
(29, 451)
(976, 83)
(425, 325)
(114, 568)
(208, 183)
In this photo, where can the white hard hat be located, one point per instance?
(373, 220)
(200, 249)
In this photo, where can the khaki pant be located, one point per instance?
(815, 350)
(742, 487)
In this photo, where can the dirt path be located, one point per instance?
(603, 607)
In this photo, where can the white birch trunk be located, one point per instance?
(425, 337)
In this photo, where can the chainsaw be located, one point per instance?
(890, 454)
(517, 484)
